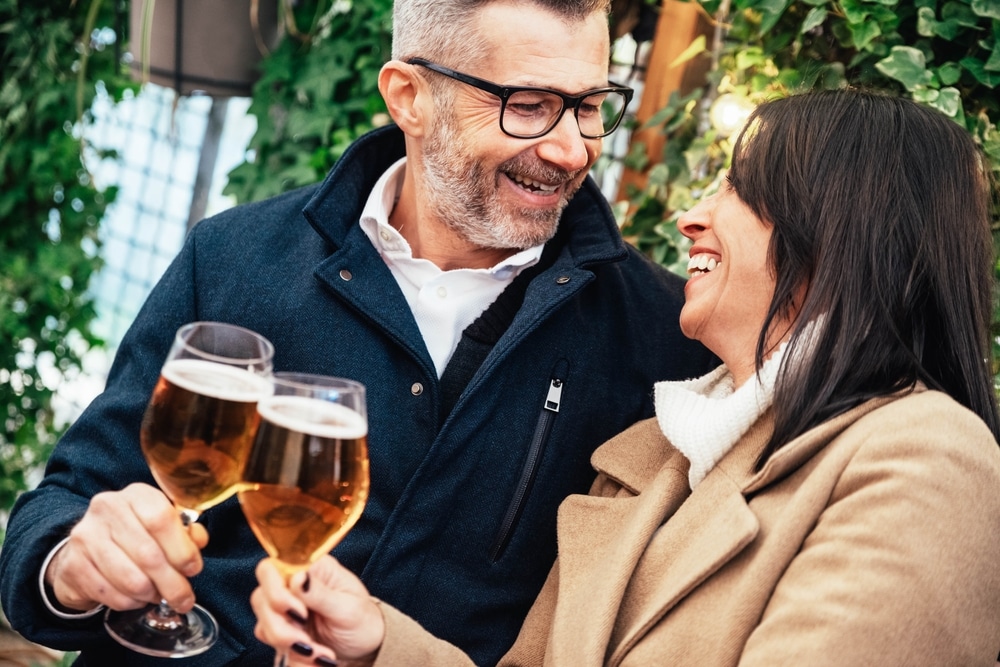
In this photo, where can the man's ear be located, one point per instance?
(407, 97)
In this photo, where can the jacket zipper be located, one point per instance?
(550, 408)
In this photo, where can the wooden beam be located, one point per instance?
(679, 24)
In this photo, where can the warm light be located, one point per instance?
(729, 113)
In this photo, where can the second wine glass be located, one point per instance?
(195, 435)
(306, 480)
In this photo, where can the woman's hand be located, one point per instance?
(343, 620)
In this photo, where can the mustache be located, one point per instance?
(538, 171)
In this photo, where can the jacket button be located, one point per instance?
(562, 280)
(345, 274)
(416, 389)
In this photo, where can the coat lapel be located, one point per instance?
(600, 542)
(601, 538)
(708, 530)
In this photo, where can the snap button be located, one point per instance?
(562, 280)
(442, 292)
(345, 274)
(416, 389)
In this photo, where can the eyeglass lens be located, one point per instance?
(534, 112)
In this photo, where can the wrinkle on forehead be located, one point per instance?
(534, 47)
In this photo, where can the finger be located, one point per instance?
(163, 522)
(271, 602)
(275, 591)
(132, 558)
(78, 584)
(199, 534)
(344, 615)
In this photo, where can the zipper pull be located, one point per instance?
(555, 395)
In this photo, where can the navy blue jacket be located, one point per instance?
(459, 531)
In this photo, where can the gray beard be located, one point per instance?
(467, 199)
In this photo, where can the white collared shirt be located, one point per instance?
(443, 303)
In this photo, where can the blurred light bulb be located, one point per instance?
(729, 113)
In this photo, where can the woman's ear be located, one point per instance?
(407, 97)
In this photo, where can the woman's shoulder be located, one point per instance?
(928, 434)
(925, 414)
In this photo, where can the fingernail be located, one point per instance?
(302, 649)
(295, 616)
(325, 662)
(305, 584)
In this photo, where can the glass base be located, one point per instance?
(160, 631)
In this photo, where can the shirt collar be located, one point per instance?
(391, 244)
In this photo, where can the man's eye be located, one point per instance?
(525, 109)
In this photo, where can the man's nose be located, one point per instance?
(565, 147)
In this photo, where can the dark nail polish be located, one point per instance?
(295, 616)
(305, 584)
(325, 662)
(302, 649)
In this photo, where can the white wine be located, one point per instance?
(198, 427)
(306, 479)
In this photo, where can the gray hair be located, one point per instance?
(443, 30)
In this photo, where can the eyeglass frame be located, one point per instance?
(505, 92)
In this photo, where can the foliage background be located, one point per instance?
(50, 212)
(318, 92)
(945, 54)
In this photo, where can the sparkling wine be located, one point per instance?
(198, 428)
(306, 479)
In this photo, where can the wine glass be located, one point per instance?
(195, 435)
(306, 480)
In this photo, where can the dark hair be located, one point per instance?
(881, 208)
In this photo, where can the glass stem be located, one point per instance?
(189, 516)
(163, 618)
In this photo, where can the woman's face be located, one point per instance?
(731, 283)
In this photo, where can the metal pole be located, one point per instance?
(207, 159)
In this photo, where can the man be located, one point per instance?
(502, 329)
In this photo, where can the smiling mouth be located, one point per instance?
(533, 186)
(701, 264)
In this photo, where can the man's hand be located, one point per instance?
(129, 549)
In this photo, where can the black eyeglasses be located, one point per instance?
(527, 112)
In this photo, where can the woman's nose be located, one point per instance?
(694, 221)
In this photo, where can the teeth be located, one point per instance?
(701, 262)
(535, 185)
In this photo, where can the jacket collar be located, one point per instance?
(587, 228)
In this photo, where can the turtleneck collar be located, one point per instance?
(705, 417)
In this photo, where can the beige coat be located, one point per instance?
(871, 540)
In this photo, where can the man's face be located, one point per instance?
(498, 191)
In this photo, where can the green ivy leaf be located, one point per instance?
(862, 34)
(929, 26)
(907, 65)
(855, 11)
(949, 73)
(993, 64)
(960, 13)
(977, 68)
(987, 8)
(815, 18)
(697, 46)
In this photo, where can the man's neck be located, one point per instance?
(431, 239)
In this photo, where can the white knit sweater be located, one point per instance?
(704, 417)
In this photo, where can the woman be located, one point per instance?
(831, 494)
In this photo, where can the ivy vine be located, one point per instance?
(51, 211)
